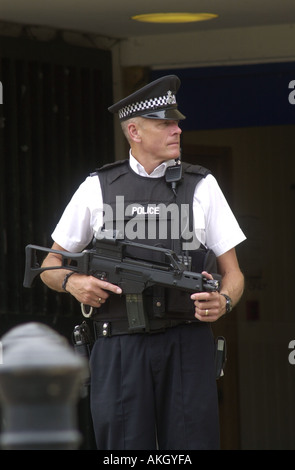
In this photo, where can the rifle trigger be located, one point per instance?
(85, 313)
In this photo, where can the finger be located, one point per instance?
(109, 287)
(97, 302)
(100, 301)
(206, 316)
(201, 297)
(204, 312)
(207, 275)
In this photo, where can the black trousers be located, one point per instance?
(155, 391)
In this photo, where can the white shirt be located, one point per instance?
(215, 224)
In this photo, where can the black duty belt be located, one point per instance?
(121, 327)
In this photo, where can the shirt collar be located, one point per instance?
(156, 173)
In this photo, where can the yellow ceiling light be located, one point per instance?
(174, 17)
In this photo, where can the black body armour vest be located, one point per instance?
(146, 211)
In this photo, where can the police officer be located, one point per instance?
(154, 387)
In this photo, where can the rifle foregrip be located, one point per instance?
(212, 285)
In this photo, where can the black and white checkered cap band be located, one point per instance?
(152, 103)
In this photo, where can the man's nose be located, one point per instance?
(176, 129)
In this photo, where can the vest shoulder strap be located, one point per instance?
(192, 175)
(195, 169)
(113, 170)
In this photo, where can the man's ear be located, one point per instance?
(133, 131)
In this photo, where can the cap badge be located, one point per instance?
(170, 98)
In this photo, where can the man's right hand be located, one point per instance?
(89, 290)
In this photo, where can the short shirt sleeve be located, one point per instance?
(215, 224)
(81, 218)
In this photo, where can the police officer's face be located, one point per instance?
(160, 138)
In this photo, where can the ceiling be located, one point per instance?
(111, 18)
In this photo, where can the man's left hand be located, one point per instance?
(209, 306)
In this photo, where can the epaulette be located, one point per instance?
(195, 169)
(109, 166)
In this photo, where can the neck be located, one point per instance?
(149, 168)
(149, 164)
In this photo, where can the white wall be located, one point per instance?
(206, 48)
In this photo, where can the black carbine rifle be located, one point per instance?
(132, 266)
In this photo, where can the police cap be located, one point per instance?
(157, 100)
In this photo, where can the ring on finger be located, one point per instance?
(206, 312)
(99, 300)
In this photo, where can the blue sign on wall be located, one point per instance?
(236, 96)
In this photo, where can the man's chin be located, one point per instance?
(175, 154)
